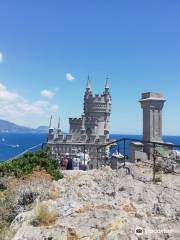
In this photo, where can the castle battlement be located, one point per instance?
(75, 120)
(97, 103)
(99, 98)
(96, 98)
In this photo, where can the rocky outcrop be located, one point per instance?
(105, 204)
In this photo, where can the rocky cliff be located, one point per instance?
(103, 204)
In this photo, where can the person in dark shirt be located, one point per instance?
(70, 164)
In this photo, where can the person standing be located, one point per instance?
(76, 161)
(69, 165)
(84, 159)
(65, 161)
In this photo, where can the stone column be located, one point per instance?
(152, 105)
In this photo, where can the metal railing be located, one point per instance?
(123, 147)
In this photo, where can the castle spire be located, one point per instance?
(59, 123)
(88, 85)
(107, 82)
(51, 130)
(58, 129)
(50, 123)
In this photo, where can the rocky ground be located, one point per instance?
(104, 204)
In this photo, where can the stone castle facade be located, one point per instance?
(87, 132)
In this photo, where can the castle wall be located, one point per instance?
(75, 128)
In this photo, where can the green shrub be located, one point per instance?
(25, 164)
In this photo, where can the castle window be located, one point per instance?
(88, 131)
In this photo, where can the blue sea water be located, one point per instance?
(16, 143)
(120, 146)
(172, 139)
(12, 144)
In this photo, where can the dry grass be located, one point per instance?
(54, 194)
(88, 208)
(72, 235)
(44, 215)
(148, 214)
(129, 208)
(39, 173)
(104, 207)
(84, 209)
(79, 194)
(14, 183)
(20, 193)
(5, 232)
(115, 226)
(72, 178)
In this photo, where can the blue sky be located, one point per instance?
(136, 42)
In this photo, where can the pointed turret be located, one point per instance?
(106, 91)
(59, 129)
(107, 83)
(88, 85)
(88, 93)
(51, 130)
(50, 123)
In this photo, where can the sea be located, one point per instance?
(14, 144)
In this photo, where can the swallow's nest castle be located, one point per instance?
(89, 131)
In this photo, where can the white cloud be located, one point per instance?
(69, 77)
(6, 95)
(47, 93)
(1, 57)
(54, 108)
(16, 108)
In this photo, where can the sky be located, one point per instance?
(48, 48)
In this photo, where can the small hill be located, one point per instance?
(9, 127)
(42, 129)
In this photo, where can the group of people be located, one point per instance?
(78, 162)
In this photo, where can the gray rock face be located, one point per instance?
(106, 204)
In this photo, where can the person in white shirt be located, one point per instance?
(84, 159)
(76, 161)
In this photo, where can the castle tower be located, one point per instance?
(99, 108)
(152, 105)
(90, 130)
(88, 93)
